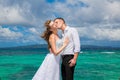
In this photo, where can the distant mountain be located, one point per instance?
(94, 47)
(37, 46)
(83, 47)
(33, 46)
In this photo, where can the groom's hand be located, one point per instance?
(72, 62)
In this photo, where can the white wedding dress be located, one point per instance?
(50, 67)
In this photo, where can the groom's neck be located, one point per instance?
(63, 27)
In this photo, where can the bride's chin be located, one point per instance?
(55, 30)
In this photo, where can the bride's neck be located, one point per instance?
(54, 32)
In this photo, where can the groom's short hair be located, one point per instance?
(60, 19)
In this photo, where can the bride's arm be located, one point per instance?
(52, 42)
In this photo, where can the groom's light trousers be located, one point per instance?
(67, 71)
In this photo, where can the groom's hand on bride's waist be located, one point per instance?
(72, 62)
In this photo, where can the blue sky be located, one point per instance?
(97, 22)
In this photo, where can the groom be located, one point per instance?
(70, 53)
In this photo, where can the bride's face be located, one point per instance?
(52, 25)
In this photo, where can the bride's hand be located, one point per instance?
(66, 41)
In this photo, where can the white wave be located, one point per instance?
(108, 52)
(81, 51)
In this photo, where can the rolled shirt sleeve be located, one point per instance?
(76, 40)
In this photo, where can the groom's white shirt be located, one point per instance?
(74, 41)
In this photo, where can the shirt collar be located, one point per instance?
(66, 29)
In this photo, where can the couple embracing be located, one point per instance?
(65, 49)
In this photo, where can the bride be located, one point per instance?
(50, 67)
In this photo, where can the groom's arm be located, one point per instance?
(76, 41)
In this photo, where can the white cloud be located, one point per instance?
(113, 10)
(32, 38)
(15, 28)
(9, 34)
(97, 16)
(33, 30)
(18, 13)
(79, 12)
(76, 12)
(10, 15)
(14, 34)
(101, 32)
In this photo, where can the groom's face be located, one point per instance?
(58, 23)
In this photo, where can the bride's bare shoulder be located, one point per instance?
(52, 36)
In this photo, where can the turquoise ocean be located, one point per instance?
(21, 64)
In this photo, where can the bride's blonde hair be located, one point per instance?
(46, 34)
